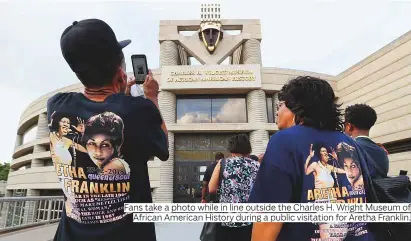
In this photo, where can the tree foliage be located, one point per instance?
(4, 171)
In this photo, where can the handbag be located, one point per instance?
(387, 190)
(209, 231)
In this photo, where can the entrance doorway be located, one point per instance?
(192, 154)
(188, 183)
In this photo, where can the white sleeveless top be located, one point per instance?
(325, 176)
(62, 152)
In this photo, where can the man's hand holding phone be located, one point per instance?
(151, 90)
(150, 87)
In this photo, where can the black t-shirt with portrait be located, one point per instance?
(100, 152)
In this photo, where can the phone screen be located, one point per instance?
(140, 67)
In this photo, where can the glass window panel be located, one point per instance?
(270, 110)
(30, 134)
(192, 155)
(182, 177)
(220, 142)
(193, 111)
(183, 189)
(184, 142)
(229, 110)
(202, 169)
(48, 162)
(202, 142)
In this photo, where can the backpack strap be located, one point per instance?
(371, 161)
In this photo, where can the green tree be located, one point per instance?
(4, 171)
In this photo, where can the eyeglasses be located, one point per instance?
(280, 103)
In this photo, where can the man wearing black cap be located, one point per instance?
(101, 139)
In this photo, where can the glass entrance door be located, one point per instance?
(193, 153)
(188, 181)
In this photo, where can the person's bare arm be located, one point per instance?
(204, 192)
(80, 147)
(309, 169)
(266, 231)
(213, 184)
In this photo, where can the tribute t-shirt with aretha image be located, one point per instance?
(312, 166)
(100, 152)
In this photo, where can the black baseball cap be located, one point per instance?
(90, 44)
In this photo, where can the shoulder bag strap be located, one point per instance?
(370, 190)
(373, 163)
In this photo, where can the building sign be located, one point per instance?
(211, 76)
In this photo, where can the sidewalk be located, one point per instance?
(165, 232)
(41, 233)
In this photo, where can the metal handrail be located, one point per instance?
(23, 212)
(33, 198)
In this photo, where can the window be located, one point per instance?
(398, 146)
(51, 192)
(200, 147)
(48, 162)
(19, 192)
(47, 147)
(270, 110)
(209, 109)
(30, 134)
(28, 166)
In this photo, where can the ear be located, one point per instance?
(123, 75)
(349, 127)
(120, 77)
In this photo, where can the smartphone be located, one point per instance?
(140, 68)
(403, 172)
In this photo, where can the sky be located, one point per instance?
(322, 36)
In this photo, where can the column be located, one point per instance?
(42, 126)
(42, 132)
(169, 56)
(164, 193)
(275, 104)
(31, 207)
(237, 55)
(168, 53)
(37, 162)
(256, 100)
(183, 55)
(252, 52)
(257, 114)
(19, 141)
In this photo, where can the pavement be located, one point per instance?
(165, 232)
